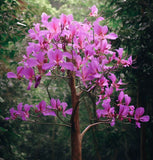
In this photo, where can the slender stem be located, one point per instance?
(62, 120)
(45, 123)
(48, 90)
(48, 93)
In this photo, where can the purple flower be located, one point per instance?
(68, 111)
(29, 75)
(114, 84)
(139, 116)
(108, 111)
(41, 107)
(57, 105)
(123, 111)
(94, 11)
(101, 31)
(57, 59)
(66, 19)
(44, 18)
(19, 74)
(45, 110)
(21, 112)
(37, 80)
(99, 113)
(120, 97)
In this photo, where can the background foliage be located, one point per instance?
(132, 20)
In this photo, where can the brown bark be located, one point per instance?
(75, 126)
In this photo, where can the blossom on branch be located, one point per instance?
(65, 48)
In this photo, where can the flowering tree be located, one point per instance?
(82, 54)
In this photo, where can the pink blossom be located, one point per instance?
(94, 11)
(123, 112)
(21, 112)
(19, 74)
(64, 111)
(101, 32)
(139, 116)
(44, 18)
(44, 109)
(57, 59)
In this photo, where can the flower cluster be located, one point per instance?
(47, 110)
(62, 44)
(22, 112)
(126, 111)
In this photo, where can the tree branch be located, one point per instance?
(45, 123)
(91, 125)
(66, 123)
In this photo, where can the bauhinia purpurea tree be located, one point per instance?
(80, 53)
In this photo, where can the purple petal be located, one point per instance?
(112, 122)
(29, 85)
(53, 103)
(58, 103)
(123, 111)
(69, 111)
(67, 54)
(99, 112)
(20, 70)
(48, 74)
(120, 52)
(127, 99)
(27, 107)
(145, 118)
(98, 20)
(139, 112)
(104, 29)
(112, 77)
(138, 124)
(68, 65)
(64, 105)
(49, 113)
(7, 118)
(37, 80)
(11, 75)
(29, 73)
(112, 36)
(19, 107)
(32, 62)
(49, 107)
(130, 60)
(106, 103)
(97, 29)
(121, 96)
(47, 66)
(104, 112)
(44, 17)
(112, 110)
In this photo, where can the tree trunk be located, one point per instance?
(75, 137)
(75, 128)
